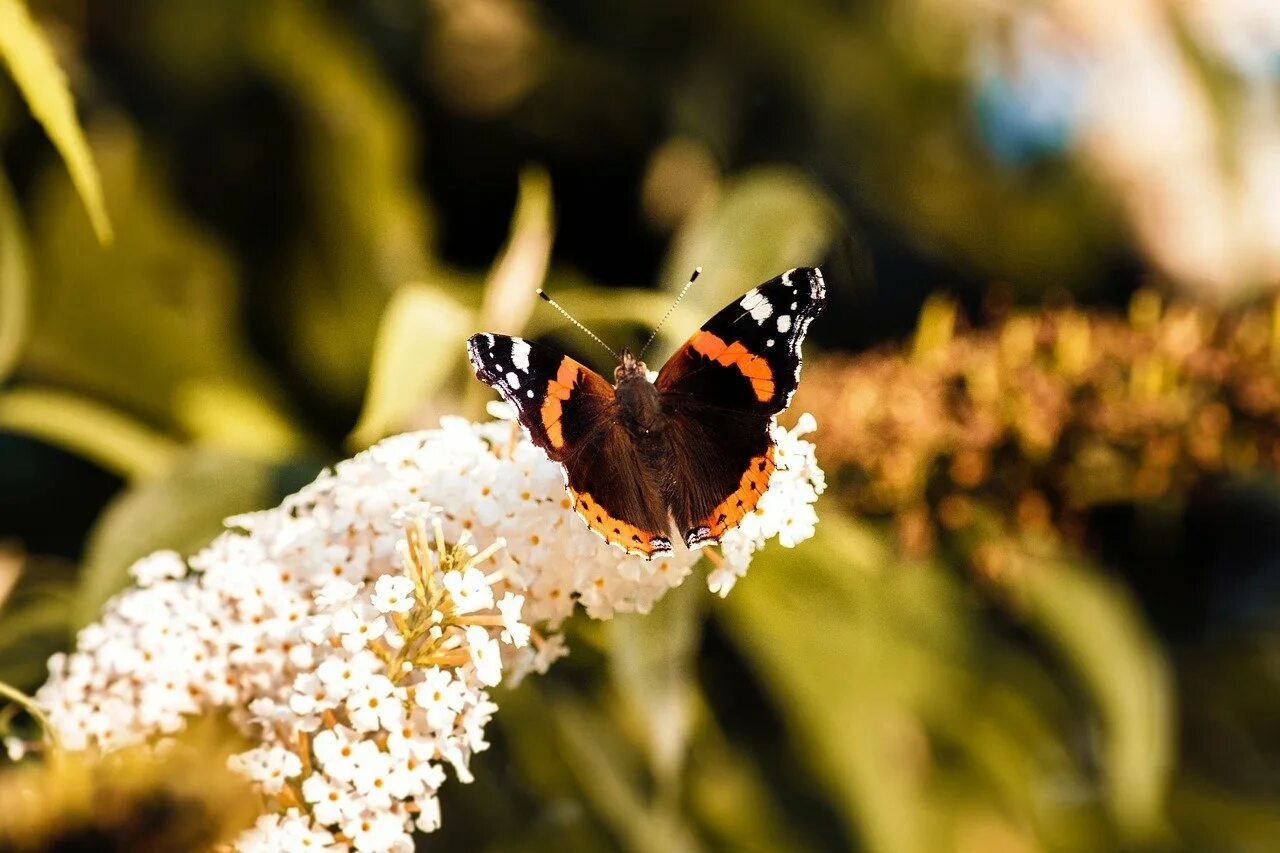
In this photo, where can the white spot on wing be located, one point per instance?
(769, 342)
(784, 323)
(758, 305)
(530, 394)
(513, 380)
(520, 354)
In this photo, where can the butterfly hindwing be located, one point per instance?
(614, 492)
(570, 412)
(720, 392)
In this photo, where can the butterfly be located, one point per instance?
(692, 447)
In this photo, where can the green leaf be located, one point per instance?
(15, 272)
(1098, 629)
(731, 797)
(30, 631)
(597, 757)
(764, 222)
(652, 667)
(97, 432)
(30, 59)
(182, 511)
(34, 614)
(367, 222)
(133, 323)
(858, 653)
(559, 819)
(420, 342)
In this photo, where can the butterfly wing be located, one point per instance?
(720, 393)
(571, 412)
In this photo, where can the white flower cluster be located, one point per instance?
(786, 509)
(354, 645)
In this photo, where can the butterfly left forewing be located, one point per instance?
(570, 412)
(721, 391)
(549, 390)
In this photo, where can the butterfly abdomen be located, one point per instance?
(639, 406)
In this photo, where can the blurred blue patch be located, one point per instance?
(1027, 98)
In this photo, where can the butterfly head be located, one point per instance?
(630, 368)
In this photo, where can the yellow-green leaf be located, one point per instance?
(762, 223)
(131, 323)
(35, 69)
(226, 416)
(421, 339)
(182, 511)
(97, 432)
(367, 226)
(1098, 629)
(652, 666)
(858, 653)
(511, 288)
(597, 757)
(15, 282)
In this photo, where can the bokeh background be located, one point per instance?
(1041, 609)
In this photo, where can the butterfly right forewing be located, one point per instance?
(721, 391)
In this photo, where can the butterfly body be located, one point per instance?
(692, 449)
(639, 403)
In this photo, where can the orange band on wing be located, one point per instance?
(752, 366)
(558, 390)
(734, 508)
(618, 532)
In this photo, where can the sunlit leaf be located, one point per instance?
(97, 432)
(1097, 628)
(26, 52)
(15, 272)
(511, 288)
(421, 340)
(182, 511)
(228, 417)
(763, 223)
(652, 667)
(10, 570)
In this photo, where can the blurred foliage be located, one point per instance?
(1028, 424)
(1040, 610)
(180, 797)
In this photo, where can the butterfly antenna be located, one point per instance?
(570, 318)
(697, 272)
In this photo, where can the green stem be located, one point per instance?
(29, 705)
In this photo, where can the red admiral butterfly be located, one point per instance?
(694, 446)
